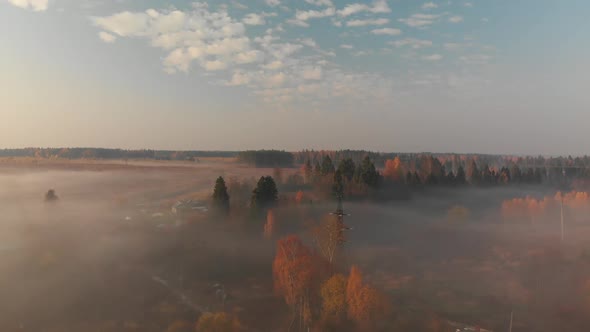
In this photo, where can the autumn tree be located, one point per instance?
(394, 170)
(329, 237)
(293, 273)
(269, 227)
(333, 294)
(366, 306)
(354, 286)
(217, 322)
(265, 195)
(220, 197)
(299, 197)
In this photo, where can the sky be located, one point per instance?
(486, 76)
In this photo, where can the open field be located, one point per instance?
(98, 260)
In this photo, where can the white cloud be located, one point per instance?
(468, 4)
(254, 19)
(419, 20)
(378, 7)
(456, 19)
(298, 23)
(433, 57)
(312, 73)
(304, 15)
(387, 31)
(106, 37)
(214, 65)
(412, 42)
(361, 23)
(273, 3)
(327, 3)
(239, 78)
(188, 36)
(36, 5)
(275, 80)
(277, 64)
(429, 5)
(346, 46)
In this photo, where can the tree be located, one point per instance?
(365, 304)
(307, 171)
(327, 166)
(299, 197)
(347, 168)
(51, 196)
(369, 174)
(338, 185)
(460, 177)
(473, 173)
(329, 237)
(293, 272)
(217, 322)
(265, 195)
(269, 227)
(220, 196)
(333, 294)
(394, 170)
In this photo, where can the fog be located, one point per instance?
(98, 258)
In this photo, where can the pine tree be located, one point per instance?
(265, 195)
(347, 168)
(338, 186)
(220, 196)
(460, 177)
(327, 166)
(369, 174)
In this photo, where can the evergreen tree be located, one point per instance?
(327, 166)
(220, 196)
(369, 174)
(307, 171)
(460, 177)
(450, 179)
(338, 186)
(473, 173)
(347, 168)
(265, 195)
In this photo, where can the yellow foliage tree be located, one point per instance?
(333, 293)
(217, 322)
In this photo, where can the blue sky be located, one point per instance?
(491, 76)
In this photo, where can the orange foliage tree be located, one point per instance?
(269, 227)
(394, 170)
(365, 304)
(293, 272)
(299, 197)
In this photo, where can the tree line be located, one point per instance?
(102, 153)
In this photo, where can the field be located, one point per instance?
(110, 256)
